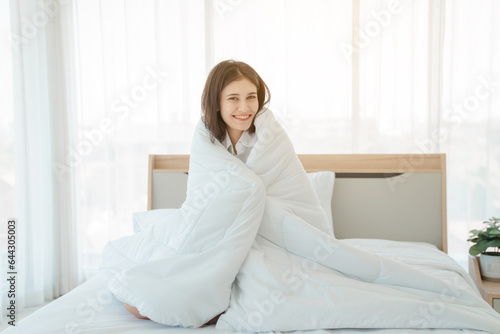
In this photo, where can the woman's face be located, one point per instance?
(238, 106)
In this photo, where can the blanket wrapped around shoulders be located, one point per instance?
(235, 243)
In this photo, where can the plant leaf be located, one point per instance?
(494, 243)
(474, 251)
(474, 232)
(474, 240)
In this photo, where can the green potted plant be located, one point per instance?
(486, 243)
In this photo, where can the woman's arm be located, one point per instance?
(134, 311)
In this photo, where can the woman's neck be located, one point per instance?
(234, 136)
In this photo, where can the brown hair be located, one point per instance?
(221, 75)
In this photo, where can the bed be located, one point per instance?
(394, 205)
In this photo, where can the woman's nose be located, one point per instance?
(243, 106)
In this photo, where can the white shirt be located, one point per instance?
(243, 146)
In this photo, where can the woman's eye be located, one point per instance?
(252, 97)
(233, 98)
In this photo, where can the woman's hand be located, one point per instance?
(134, 311)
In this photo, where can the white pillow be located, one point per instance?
(323, 183)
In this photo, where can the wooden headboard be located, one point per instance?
(383, 196)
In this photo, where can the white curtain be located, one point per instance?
(470, 115)
(102, 84)
(46, 257)
(7, 131)
(141, 68)
(294, 46)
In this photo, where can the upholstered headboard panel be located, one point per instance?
(382, 196)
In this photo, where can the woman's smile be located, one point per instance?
(242, 117)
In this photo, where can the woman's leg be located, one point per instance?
(134, 311)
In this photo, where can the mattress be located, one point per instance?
(90, 308)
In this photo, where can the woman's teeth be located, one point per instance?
(242, 117)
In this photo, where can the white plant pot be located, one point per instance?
(490, 267)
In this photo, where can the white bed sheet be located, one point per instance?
(90, 308)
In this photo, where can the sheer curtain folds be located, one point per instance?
(46, 256)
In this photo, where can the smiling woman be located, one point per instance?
(234, 94)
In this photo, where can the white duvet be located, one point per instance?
(253, 241)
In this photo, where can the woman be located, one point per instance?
(235, 243)
(233, 96)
